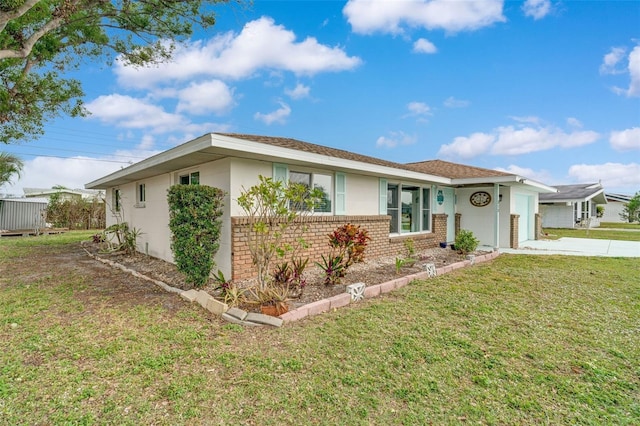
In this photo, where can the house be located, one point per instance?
(572, 206)
(65, 194)
(426, 201)
(613, 207)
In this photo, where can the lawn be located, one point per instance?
(520, 340)
(607, 231)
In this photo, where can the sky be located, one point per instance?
(549, 90)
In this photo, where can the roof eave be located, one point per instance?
(246, 148)
(510, 180)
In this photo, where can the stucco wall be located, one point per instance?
(557, 216)
(612, 212)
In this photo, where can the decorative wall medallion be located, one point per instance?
(480, 198)
(440, 197)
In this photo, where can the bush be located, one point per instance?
(466, 242)
(347, 243)
(194, 221)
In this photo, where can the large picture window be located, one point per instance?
(409, 208)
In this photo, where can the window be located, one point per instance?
(316, 181)
(141, 195)
(409, 207)
(190, 179)
(116, 200)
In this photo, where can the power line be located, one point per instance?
(75, 158)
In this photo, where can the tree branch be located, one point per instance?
(32, 40)
(5, 17)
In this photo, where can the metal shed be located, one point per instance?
(22, 213)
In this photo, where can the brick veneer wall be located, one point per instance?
(318, 227)
(440, 227)
(458, 219)
(513, 234)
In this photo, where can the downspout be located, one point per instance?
(496, 219)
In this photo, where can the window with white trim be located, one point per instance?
(141, 194)
(190, 179)
(409, 207)
(319, 181)
(117, 200)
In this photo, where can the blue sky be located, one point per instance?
(549, 90)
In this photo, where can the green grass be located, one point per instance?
(615, 225)
(604, 234)
(522, 340)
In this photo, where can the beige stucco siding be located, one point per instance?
(362, 196)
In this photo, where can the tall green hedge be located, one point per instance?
(194, 221)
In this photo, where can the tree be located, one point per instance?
(631, 210)
(10, 165)
(41, 39)
(274, 211)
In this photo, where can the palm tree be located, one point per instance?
(9, 165)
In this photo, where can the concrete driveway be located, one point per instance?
(578, 247)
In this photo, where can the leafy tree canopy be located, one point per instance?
(42, 39)
(631, 210)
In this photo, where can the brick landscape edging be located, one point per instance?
(344, 299)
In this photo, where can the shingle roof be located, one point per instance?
(454, 170)
(579, 191)
(432, 167)
(316, 149)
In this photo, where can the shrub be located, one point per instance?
(348, 243)
(194, 221)
(466, 242)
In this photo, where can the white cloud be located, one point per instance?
(452, 102)
(278, 116)
(369, 16)
(634, 72)
(512, 141)
(133, 113)
(419, 110)
(260, 45)
(531, 119)
(202, 98)
(624, 178)
(395, 139)
(625, 140)
(574, 122)
(468, 147)
(75, 172)
(611, 60)
(542, 176)
(298, 92)
(614, 63)
(422, 45)
(537, 9)
(147, 142)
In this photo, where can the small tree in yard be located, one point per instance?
(274, 210)
(631, 210)
(194, 221)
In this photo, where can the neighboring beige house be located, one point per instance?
(572, 206)
(426, 201)
(65, 194)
